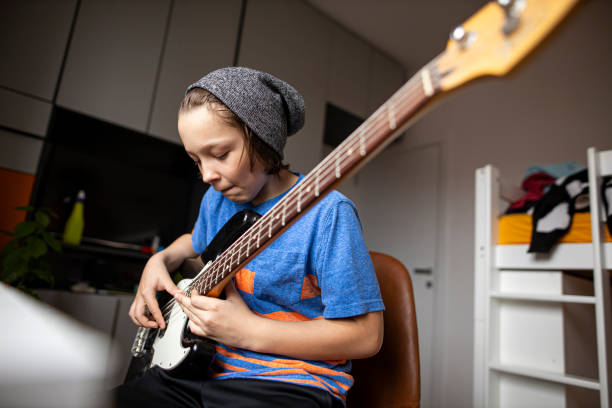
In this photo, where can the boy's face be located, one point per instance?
(219, 151)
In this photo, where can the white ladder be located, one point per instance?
(600, 165)
(486, 266)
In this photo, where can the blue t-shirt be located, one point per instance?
(318, 268)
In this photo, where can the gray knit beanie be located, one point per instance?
(271, 108)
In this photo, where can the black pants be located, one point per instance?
(158, 389)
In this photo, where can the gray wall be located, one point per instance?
(550, 110)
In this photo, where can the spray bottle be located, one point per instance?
(73, 232)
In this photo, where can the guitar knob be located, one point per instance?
(461, 37)
(513, 9)
(459, 34)
(505, 3)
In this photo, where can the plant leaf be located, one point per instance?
(14, 268)
(44, 274)
(42, 218)
(52, 242)
(5, 232)
(25, 228)
(49, 212)
(37, 247)
(25, 208)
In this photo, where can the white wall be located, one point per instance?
(550, 110)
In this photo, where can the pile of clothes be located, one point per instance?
(554, 193)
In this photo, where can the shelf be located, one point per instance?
(101, 250)
(561, 257)
(546, 375)
(543, 298)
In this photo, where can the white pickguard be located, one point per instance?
(168, 352)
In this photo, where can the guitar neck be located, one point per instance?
(363, 144)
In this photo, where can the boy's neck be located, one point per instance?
(277, 184)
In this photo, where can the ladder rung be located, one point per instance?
(543, 298)
(583, 382)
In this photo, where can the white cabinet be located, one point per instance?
(113, 60)
(33, 38)
(24, 113)
(105, 313)
(292, 40)
(350, 73)
(19, 153)
(201, 37)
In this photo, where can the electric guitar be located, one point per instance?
(491, 42)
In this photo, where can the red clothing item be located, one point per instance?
(534, 185)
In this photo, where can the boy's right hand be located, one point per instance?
(155, 276)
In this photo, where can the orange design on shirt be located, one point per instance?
(245, 280)
(288, 316)
(286, 363)
(309, 287)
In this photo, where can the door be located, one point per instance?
(397, 198)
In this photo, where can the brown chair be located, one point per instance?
(391, 378)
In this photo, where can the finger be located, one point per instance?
(194, 321)
(182, 299)
(195, 329)
(202, 302)
(137, 312)
(132, 313)
(168, 285)
(142, 315)
(158, 319)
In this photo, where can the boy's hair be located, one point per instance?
(256, 148)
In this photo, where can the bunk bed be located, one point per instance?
(542, 322)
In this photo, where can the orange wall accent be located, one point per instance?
(15, 189)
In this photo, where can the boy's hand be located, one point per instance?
(224, 320)
(154, 277)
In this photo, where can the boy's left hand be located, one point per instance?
(224, 320)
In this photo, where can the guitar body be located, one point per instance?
(175, 348)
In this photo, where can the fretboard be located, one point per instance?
(368, 139)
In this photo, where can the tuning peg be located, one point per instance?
(513, 9)
(461, 37)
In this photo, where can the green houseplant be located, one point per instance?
(22, 260)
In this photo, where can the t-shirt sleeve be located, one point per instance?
(345, 272)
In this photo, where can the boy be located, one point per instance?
(296, 314)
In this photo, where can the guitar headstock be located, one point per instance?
(497, 38)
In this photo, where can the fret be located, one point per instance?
(362, 149)
(391, 114)
(338, 166)
(345, 157)
(426, 79)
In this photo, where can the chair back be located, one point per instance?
(391, 378)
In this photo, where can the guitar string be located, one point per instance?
(405, 94)
(376, 123)
(281, 207)
(339, 157)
